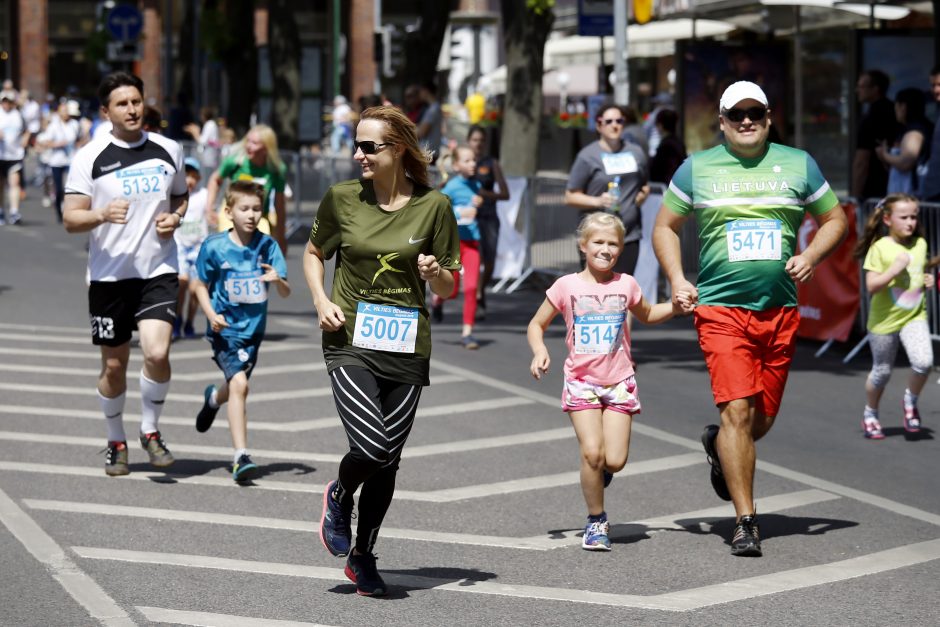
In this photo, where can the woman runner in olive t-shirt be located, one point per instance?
(392, 233)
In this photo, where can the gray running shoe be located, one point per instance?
(746, 539)
(115, 462)
(160, 455)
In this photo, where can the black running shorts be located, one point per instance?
(115, 307)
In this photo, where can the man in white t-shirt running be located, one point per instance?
(128, 189)
(13, 140)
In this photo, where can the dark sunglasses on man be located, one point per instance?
(620, 121)
(367, 147)
(754, 114)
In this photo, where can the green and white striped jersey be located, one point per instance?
(748, 212)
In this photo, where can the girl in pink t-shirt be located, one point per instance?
(600, 393)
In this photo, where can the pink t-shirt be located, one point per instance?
(596, 314)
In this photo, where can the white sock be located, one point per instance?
(113, 409)
(238, 453)
(910, 399)
(214, 398)
(870, 413)
(152, 395)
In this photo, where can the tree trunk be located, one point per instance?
(284, 55)
(241, 64)
(525, 32)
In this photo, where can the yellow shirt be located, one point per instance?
(902, 300)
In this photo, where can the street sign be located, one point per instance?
(595, 18)
(125, 22)
(120, 51)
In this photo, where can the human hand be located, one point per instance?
(428, 268)
(800, 269)
(929, 280)
(642, 195)
(116, 211)
(684, 296)
(331, 316)
(167, 223)
(900, 263)
(217, 322)
(270, 274)
(477, 200)
(540, 363)
(605, 201)
(468, 212)
(881, 150)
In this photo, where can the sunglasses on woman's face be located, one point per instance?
(620, 121)
(754, 114)
(367, 147)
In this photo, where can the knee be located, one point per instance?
(157, 357)
(238, 386)
(737, 415)
(879, 375)
(921, 367)
(616, 464)
(114, 370)
(593, 456)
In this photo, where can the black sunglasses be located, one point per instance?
(367, 147)
(620, 121)
(754, 114)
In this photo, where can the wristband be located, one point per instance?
(177, 213)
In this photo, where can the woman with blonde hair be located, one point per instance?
(393, 233)
(255, 158)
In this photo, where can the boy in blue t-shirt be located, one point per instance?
(234, 270)
(463, 191)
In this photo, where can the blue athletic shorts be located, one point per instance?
(234, 354)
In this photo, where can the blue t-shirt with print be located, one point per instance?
(232, 273)
(461, 192)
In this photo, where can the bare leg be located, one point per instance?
(236, 391)
(588, 427)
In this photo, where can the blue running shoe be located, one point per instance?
(244, 469)
(608, 477)
(596, 536)
(361, 571)
(335, 532)
(207, 414)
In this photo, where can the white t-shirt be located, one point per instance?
(59, 131)
(194, 228)
(209, 144)
(13, 127)
(32, 115)
(102, 130)
(146, 173)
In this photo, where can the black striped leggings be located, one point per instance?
(377, 414)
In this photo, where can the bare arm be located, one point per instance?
(906, 159)
(585, 202)
(212, 191)
(79, 216)
(330, 315)
(654, 314)
(536, 336)
(832, 227)
(440, 280)
(503, 193)
(668, 251)
(280, 229)
(877, 281)
(216, 320)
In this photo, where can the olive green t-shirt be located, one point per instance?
(377, 264)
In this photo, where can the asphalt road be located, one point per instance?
(484, 527)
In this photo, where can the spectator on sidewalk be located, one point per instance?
(930, 187)
(878, 124)
(911, 148)
(671, 151)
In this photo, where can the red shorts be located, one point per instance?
(748, 353)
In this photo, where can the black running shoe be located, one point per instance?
(711, 452)
(746, 539)
(244, 470)
(206, 415)
(361, 571)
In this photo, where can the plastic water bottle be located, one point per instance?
(613, 190)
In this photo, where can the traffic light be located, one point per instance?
(393, 49)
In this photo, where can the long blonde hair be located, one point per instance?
(401, 131)
(266, 134)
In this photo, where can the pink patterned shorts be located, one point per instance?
(580, 395)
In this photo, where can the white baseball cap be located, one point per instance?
(742, 90)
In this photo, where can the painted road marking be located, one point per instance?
(185, 617)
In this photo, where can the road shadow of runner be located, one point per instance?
(185, 468)
(771, 526)
(401, 582)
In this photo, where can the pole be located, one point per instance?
(601, 76)
(621, 77)
(798, 77)
(377, 28)
(168, 54)
(336, 36)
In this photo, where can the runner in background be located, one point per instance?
(490, 175)
(189, 238)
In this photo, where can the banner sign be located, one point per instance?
(829, 301)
